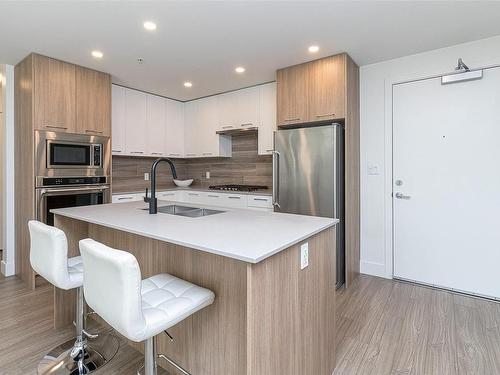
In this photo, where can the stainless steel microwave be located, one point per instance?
(63, 154)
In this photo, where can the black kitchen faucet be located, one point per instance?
(153, 202)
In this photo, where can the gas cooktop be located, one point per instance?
(238, 187)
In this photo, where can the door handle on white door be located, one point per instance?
(401, 196)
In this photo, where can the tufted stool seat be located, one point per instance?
(49, 258)
(138, 309)
(167, 300)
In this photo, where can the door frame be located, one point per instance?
(390, 82)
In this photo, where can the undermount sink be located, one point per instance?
(174, 209)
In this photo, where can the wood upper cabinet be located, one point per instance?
(312, 92)
(93, 102)
(54, 95)
(292, 92)
(326, 99)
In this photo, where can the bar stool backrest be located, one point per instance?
(49, 253)
(112, 287)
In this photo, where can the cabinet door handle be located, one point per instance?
(93, 131)
(56, 127)
(116, 150)
(260, 199)
(175, 154)
(213, 196)
(193, 194)
(293, 119)
(247, 124)
(207, 153)
(326, 115)
(156, 153)
(234, 197)
(137, 152)
(124, 198)
(227, 127)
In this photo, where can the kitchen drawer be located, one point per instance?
(195, 197)
(168, 196)
(259, 201)
(214, 199)
(234, 200)
(123, 198)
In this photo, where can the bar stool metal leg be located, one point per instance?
(79, 356)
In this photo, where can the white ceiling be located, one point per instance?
(204, 41)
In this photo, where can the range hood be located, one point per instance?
(237, 131)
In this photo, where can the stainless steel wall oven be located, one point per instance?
(70, 170)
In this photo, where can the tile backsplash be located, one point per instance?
(244, 167)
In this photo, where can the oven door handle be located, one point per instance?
(76, 189)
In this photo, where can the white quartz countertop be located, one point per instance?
(247, 235)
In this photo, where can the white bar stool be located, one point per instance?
(138, 309)
(49, 258)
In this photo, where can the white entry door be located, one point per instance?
(446, 160)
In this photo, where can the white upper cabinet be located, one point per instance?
(156, 125)
(201, 125)
(192, 148)
(149, 125)
(118, 120)
(268, 118)
(248, 107)
(226, 111)
(238, 109)
(175, 129)
(136, 123)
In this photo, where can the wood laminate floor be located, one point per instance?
(384, 328)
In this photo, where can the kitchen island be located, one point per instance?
(269, 315)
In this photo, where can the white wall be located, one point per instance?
(376, 82)
(7, 181)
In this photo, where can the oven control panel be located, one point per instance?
(65, 181)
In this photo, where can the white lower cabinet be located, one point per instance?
(123, 198)
(234, 200)
(259, 201)
(194, 197)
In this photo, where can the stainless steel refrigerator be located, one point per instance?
(308, 177)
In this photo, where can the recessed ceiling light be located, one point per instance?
(240, 69)
(97, 54)
(313, 49)
(149, 25)
(188, 84)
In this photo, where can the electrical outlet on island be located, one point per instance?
(146, 176)
(207, 175)
(304, 255)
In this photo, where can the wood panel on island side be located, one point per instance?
(268, 318)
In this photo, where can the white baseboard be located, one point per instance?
(374, 269)
(7, 269)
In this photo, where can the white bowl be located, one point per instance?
(183, 183)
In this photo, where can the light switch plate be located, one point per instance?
(207, 175)
(304, 255)
(373, 170)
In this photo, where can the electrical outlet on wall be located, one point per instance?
(146, 176)
(304, 255)
(207, 175)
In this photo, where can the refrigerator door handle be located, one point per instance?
(336, 129)
(276, 179)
